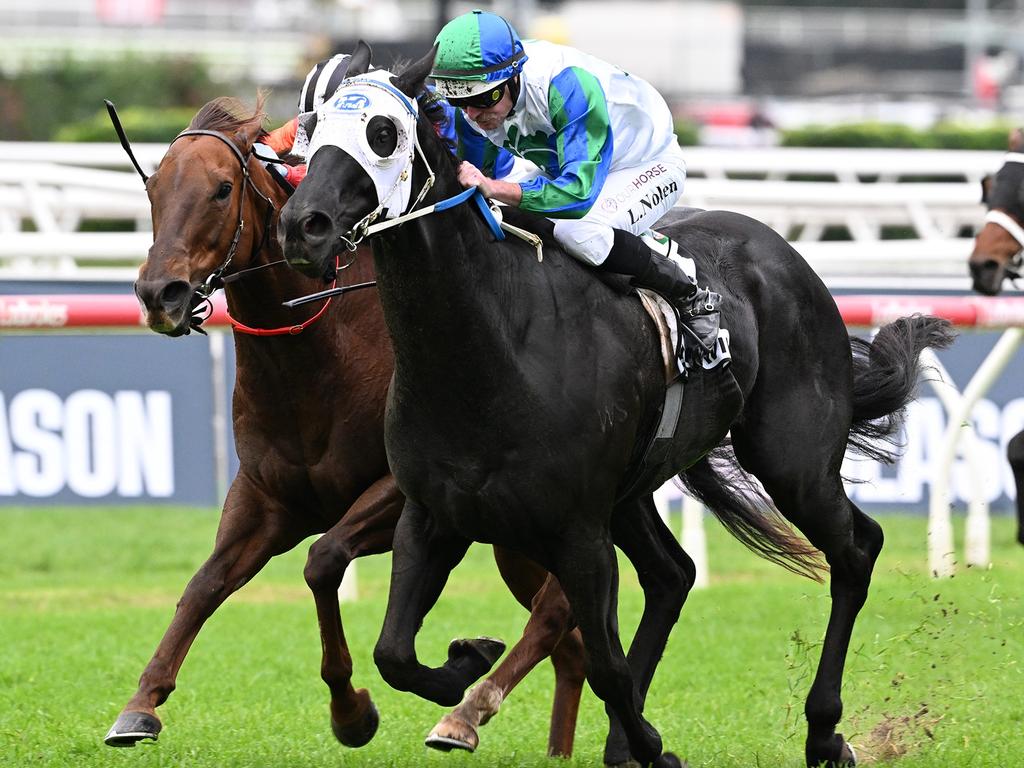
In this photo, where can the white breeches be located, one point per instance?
(632, 199)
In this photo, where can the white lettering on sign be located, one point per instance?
(93, 444)
(909, 480)
(26, 313)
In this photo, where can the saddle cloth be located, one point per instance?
(679, 355)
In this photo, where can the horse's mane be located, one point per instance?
(229, 115)
(432, 109)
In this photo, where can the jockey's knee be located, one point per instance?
(588, 241)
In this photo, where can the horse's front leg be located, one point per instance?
(423, 557)
(367, 528)
(252, 529)
(588, 573)
(666, 574)
(547, 629)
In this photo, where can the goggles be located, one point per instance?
(484, 100)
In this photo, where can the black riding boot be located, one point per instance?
(697, 307)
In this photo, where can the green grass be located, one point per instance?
(933, 678)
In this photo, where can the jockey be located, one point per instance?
(321, 82)
(609, 162)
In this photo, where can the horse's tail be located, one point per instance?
(885, 375)
(741, 505)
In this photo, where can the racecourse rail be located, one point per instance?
(81, 312)
(934, 194)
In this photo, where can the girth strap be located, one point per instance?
(659, 444)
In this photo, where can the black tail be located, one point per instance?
(741, 505)
(885, 375)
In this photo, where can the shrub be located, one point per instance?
(688, 133)
(38, 103)
(889, 135)
(140, 123)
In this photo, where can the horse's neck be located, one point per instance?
(448, 289)
(255, 298)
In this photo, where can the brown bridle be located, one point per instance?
(200, 305)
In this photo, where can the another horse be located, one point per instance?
(308, 465)
(997, 257)
(522, 390)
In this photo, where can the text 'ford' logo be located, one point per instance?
(350, 102)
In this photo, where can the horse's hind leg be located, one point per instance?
(801, 474)
(545, 634)
(366, 528)
(252, 529)
(548, 633)
(666, 574)
(1015, 454)
(423, 557)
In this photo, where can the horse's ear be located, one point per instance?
(359, 64)
(248, 133)
(410, 80)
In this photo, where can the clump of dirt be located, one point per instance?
(895, 736)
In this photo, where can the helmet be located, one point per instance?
(322, 81)
(476, 52)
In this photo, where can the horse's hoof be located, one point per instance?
(475, 656)
(668, 760)
(846, 758)
(359, 732)
(131, 728)
(447, 743)
(453, 733)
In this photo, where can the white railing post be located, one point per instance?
(694, 540)
(941, 554)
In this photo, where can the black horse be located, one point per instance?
(997, 257)
(522, 389)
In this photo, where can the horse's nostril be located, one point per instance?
(174, 295)
(316, 225)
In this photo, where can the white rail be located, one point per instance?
(54, 189)
(778, 163)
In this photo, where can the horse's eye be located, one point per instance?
(223, 191)
(382, 136)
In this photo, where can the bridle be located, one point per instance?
(370, 224)
(201, 306)
(1011, 226)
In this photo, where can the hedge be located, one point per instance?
(38, 104)
(993, 136)
(140, 123)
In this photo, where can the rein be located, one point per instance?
(201, 306)
(490, 212)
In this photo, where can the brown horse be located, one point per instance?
(997, 257)
(303, 469)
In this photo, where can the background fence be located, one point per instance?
(128, 416)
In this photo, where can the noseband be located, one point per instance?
(1010, 225)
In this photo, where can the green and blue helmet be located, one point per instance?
(476, 53)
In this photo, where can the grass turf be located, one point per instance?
(933, 678)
